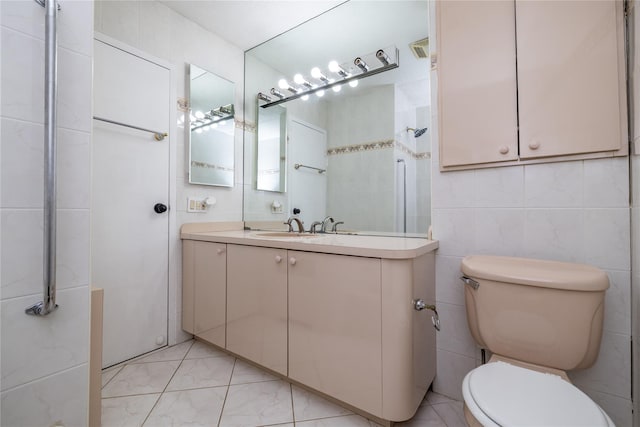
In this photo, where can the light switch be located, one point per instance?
(196, 205)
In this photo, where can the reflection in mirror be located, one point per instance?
(377, 151)
(272, 149)
(211, 121)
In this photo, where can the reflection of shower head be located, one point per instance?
(417, 132)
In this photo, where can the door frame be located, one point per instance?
(173, 244)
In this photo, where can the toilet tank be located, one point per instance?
(543, 312)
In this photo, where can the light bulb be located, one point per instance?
(320, 93)
(199, 114)
(334, 67)
(304, 97)
(353, 83)
(298, 79)
(336, 88)
(283, 84)
(316, 73)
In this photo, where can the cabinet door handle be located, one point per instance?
(504, 149)
(292, 261)
(220, 251)
(534, 145)
(278, 258)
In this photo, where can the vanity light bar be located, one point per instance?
(216, 115)
(348, 76)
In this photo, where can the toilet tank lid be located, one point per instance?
(536, 272)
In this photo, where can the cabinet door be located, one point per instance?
(257, 305)
(570, 66)
(188, 286)
(476, 82)
(335, 326)
(210, 282)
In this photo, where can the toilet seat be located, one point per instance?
(501, 394)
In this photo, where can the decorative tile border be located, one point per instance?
(183, 105)
(263, 172)
(378, 145)
(210, 166)
(414, 155)
(246, 126)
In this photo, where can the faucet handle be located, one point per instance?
(288, 222)
(335, 226)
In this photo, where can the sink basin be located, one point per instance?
(281, 234)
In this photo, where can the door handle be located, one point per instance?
(159, 208)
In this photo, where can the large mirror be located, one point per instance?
(211, 129)
(361, 152)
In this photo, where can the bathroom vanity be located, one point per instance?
(335, 313)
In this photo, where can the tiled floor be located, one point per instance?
(195, 384)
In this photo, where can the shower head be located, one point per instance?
(417, 132)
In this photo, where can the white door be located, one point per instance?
(129, 239)
(307, 187)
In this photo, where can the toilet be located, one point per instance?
(539, 319)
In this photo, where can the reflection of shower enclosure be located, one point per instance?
(402, 194)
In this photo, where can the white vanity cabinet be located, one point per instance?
(529, 81)
(204, 290)
(257, 305)
(341, 323)
(335, 321)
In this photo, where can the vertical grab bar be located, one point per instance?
(51, 88)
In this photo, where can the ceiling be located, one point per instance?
(247, 23)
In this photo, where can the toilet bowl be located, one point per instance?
(539, 319)
(503, 394)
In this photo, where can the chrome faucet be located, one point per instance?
(297, 220)
(323, 228)
(335, 226)
(313, 226)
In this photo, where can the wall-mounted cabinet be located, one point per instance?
(530, 81)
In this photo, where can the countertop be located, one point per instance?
(340, 244)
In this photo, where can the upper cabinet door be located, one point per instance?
(477, 82)
(570, 77)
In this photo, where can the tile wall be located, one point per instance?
(361, 184)
(157, 30)
(569, 211)
(44, 360)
